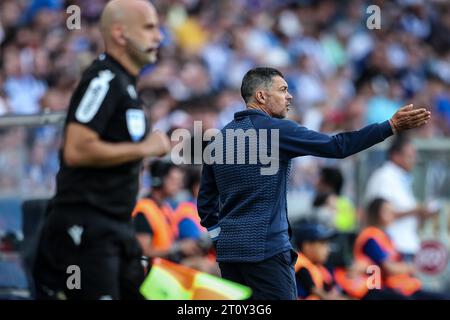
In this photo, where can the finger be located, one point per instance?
(418, 123)
(420, 118)
(424, 116)
(406, 108)
(426, 108)
(416, 112)
(412, 118)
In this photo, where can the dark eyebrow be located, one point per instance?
(150, 25)
(283, 87)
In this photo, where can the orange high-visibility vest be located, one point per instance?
(404, 283)
(319, 274)
(187, 210)
(355, 286)
(159, 218)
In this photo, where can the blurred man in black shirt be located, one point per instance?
(106, 137)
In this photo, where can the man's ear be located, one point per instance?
(260, 96)
(118, 35)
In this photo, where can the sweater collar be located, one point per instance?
(249, 112)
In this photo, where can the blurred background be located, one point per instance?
(342, 76)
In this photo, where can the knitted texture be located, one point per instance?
(246, 206)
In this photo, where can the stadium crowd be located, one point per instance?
(342, 75)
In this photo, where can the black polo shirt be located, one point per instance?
(104, 101)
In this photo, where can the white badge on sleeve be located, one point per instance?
(94, 96)
(135, 123)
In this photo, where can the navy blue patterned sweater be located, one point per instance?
(243, 207)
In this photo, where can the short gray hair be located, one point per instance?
(257, 78)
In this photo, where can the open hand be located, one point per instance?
(408, 118)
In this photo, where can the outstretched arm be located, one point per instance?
(296, 140)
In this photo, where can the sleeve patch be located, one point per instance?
(94, 96)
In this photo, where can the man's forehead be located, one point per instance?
(145, 13)
(278, 81)
(151, 14)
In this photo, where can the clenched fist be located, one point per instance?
(408, 118)
(155, 144)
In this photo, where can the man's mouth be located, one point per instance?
(152, 50)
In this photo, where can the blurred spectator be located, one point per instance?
(374, 246)
(4, 104)
(393, 182)
(325, 209)
(314, 280)
(186, 216)
(341, 73)
(153, 214)
(312, 42)
(159, 227)
(23, 89)
(331, 182)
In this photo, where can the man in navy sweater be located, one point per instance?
(244, 207)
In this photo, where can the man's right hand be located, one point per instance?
(155, 144)
(408, 118)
